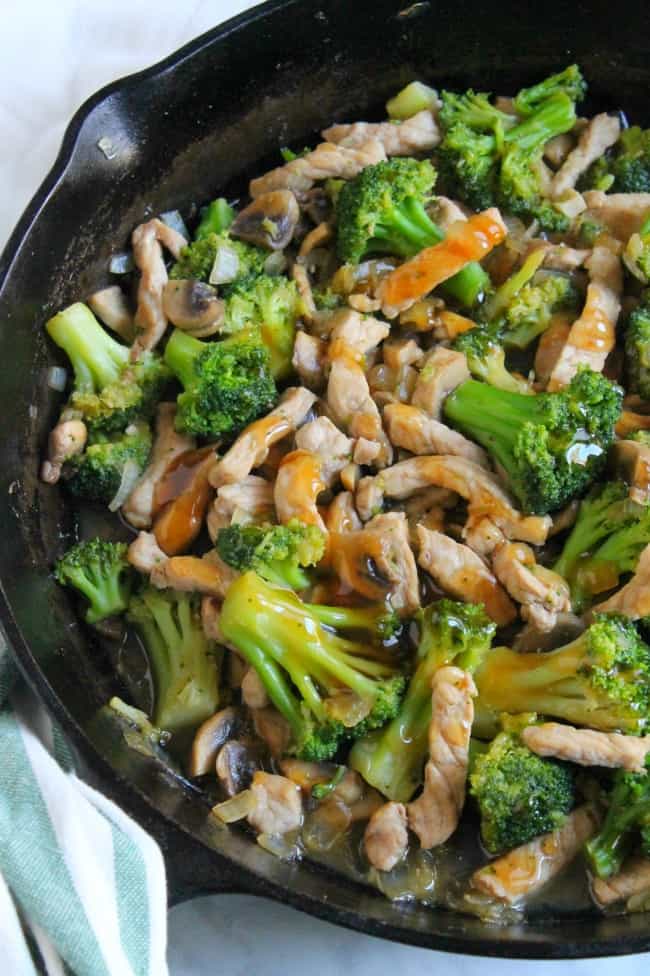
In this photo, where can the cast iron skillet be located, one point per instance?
(178, 133)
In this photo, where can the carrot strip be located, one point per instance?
(466, 241)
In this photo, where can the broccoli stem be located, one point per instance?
(513, 285)
(607, 851)
(410, 100)
(97, 359)
(181, 353)
(215, 219)
(494, 417)
(468, 285)
(392, 758)
(554, 116)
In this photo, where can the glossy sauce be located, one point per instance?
(181, 500)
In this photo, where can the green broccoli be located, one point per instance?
(626, 168)
(272, 304)
(197, 259)
(109, 462)
(227, 384)
(327, 300)
(605, 511)
(183, 662)
(627, 818)
(551, 446)
(486, 358)
(600, 680)
(374, 623)
(101, 572)
(636, 255)
(588, 230)
(570, 81)
(637, 350)
(531, 310)
(392, 759)
(278, 553)
(328, 688)
(615, 557)
(519, 795)
(382, 211)
(487, 160)
(108, 390)
(216, 218)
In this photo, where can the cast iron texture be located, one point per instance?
(179, 133)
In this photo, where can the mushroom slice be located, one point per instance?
(237, 763)
(269, 221)
(210, 738)
(193, 306)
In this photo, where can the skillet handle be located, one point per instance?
(191, 869)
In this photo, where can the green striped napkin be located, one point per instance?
(82, 887)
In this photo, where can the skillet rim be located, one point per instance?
(546, 943)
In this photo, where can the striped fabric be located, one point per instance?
(82, 887)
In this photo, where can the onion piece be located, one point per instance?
(130, 475)
(121, 263)
(225, 267)
(174, 220)
(238, 807)
(57, 377)
(276, 263)
(284, 846)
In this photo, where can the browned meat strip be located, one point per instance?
(325, 161)
(524, 870)
(386, 836)
(434, 815)
(418, 134)
(634, 879)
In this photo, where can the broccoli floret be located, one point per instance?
(636, 256)
(519, 795)
(530, 312)
(216, 218)
(271, 304)
(226, 384)
(588, 230)
(600, 680)
(474, 110)
(468, 165)
(502, 167)
(101, 572)
(605, 511)
(570, 81)
(279, 553)
(183, 662)
(628, 813)
(328, 688)
(551, 446)
(197, 259)
(98, 473)
(108, 390)
(520, 185)
(637, 351)
(327, 300)
(626, 169)
(392, 760)
(382, 211)
(616, 556)
(486, 358)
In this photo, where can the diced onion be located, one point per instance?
(121, 263)
(225, 267)
(130, 475)
(283, 846)
(236, 808)
(411, 100)
(174, 220)
(57, 377)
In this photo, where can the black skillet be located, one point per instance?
(174, 135)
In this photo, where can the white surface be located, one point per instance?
(53, 54)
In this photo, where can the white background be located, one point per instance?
(53, 54)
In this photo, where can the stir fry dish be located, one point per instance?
(378, 437)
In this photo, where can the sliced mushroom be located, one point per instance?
(269, 221)
(193, 306)
(237, 762)
(210, 738)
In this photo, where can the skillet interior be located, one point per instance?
(179, 133)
